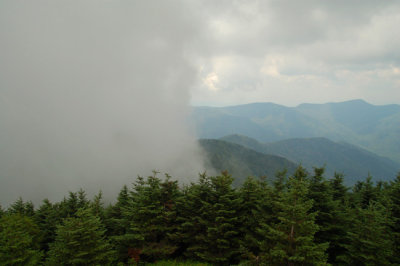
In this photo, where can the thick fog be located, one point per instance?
(92, 94)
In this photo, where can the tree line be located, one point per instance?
(298, 219)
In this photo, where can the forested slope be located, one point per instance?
(354, 162)
(242, 162)
(295, 219)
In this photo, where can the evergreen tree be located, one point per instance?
(97, 206)
(209, 220)
(194, 212)
(369, 239)
(339, 191)
(366, 193)
(291, 240)
(81, 202)
(21, 207)
(255, 210)
(151, 214)
(80, 241)
(19, 240)
(394, 194)
(222, 230)
(330, 215)
(47, 218)
(280, 181)
(116, 224)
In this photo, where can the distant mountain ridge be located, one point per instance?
(375, 128)
(241, 161)
(356, 163)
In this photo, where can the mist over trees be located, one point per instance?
(297, 218)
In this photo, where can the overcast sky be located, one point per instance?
(290, 52)
(95, 92)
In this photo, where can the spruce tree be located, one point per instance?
(151, 215)
(255, 210)
(19, 240)
(47, 218)
(194, 212)
(291, 240)
(21, 207)
(339, 191)
(369, 239)
(80, 240)
(116, 224)
(222, 231)
(366, 193)
(330, 216)
(394, 194)
(96, 205)
(82, 201)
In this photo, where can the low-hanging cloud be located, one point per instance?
(93, 93)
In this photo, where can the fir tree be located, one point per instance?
(365, 192)
(255, 209)
(222, 234)
(151, 213)
(330, 216)
(291, 240)
(96, 205)
(82, 201)
(394, 194)
(369, 239)
(194, 212)
(339, 191)
(21, 207)
(47, 218)
(116, 224)
(19, 240)
(80, 241)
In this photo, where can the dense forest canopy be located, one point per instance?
(291, 219)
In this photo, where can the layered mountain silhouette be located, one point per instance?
(354, 162)
(371, 127)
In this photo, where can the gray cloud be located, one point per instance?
(101, 88)
(286, 51)
(93, 93)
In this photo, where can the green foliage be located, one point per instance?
(222, 233)
(21, 207)
(117, 225)
(19, 240)
(47, 218)
(256, 210)
(369, 237)
(151, 218)
(242, 162)
(80, 241)
(301, 220)
(178, 263)
(394, 194)
(210, 220)
(291, 240)
(330, 215)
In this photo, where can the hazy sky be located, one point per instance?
(92, 94)
(95, 92)
(290, 52)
